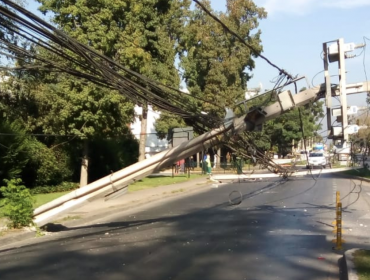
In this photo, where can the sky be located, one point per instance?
(293, 35)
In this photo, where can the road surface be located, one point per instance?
(280, 230)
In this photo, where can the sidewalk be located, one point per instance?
(100, 208)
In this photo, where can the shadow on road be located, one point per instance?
(197, 237)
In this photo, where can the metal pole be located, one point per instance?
(338, 223)
(339, 227)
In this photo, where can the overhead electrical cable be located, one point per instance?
(101, 70)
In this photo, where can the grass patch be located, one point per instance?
(362, 172)
(176, 191)
(152, 182)
(41, 199)
(68, 218)
(299, 162)
(146, 183)
(362, 264)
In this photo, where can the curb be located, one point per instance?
(10, 238)
(361, 178)
(348, 256)
(346, 176)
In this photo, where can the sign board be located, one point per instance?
(336, 112)
(352, 129)
(176, 136)
(336, 130)
(352, 110)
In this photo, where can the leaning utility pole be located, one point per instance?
(328, 95)
(342, 91)
(337, 51)
(115, 184)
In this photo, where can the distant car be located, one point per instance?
(317, 159)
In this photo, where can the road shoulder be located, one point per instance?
(99, 208)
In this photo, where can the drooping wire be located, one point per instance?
(106, 72)
(98, 69)
(227, 29)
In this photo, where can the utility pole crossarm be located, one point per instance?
(360, 87)
(356, 88)
(286, 101)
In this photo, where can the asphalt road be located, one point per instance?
(280, 230)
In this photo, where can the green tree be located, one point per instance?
(287, 128)
(166, 122)
(13, 155)
(213, 61)
(279, 134)
(138, 34)
(22, 155)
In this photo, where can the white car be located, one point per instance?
(317, 159)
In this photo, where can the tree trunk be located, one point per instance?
(84, 165)
(144, 124)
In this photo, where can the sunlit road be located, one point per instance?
(279, 231)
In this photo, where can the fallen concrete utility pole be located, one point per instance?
(129, 175)
(121, 179)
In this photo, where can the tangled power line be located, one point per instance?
(92, 65)
(21, 31)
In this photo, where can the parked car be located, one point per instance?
(317, 159)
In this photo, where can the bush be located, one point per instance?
(18, 203)
(63, 187)
(12, 150)
(45, 166)
(23, 156)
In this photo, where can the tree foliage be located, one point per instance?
(281, 133)
(215, 62)
(23, 156)
(18, 203)
(140, 35)
(146, 36)
(287, 128)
